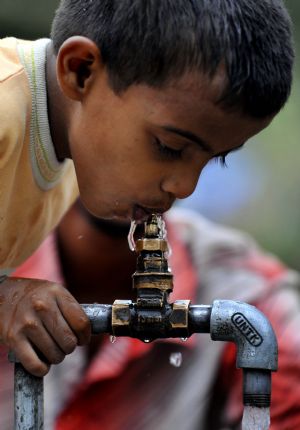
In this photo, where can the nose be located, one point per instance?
(181, 185)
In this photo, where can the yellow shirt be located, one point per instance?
(35, 188)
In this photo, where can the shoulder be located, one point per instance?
(15, 93)
(15, 99)
(10, 64)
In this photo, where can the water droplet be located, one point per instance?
(175, 359)
(130, 236)
(147, 340)
(184, 339)
(112, 339)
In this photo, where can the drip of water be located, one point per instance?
(184, 339)
(112, 339)
(130, 236)
(256, 418)
(175, 359)
(162, 227)
(146, 340)
(163, 234)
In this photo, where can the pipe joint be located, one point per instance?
(249, 329)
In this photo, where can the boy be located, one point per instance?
(140, 95)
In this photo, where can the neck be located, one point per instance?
(58, 108)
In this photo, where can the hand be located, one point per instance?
(40, 319)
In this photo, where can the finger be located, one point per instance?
(51, 316)
(29, 359)
(60, 331)
(42, 340)
(75, 316)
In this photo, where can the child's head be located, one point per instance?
(153, 41)
(217, 70)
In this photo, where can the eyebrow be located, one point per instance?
(190, 136)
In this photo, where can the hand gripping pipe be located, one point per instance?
(152, 317)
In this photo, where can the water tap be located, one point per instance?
(152, 316)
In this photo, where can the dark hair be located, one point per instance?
(152, 41)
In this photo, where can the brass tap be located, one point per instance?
(152, 315)
(153, 280)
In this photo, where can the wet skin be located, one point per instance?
(144, 147)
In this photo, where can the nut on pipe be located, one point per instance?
(179, 317)
(151, 245)
(121, 317)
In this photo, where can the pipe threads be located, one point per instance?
(257, 400)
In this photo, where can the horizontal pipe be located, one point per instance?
(199, 318)
(99, 316)
(226, 320)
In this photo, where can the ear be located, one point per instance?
(77, 66)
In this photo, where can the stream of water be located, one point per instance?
(256, 418)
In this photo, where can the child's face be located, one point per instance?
(138, 152)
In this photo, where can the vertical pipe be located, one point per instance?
(257, 387)
(29, 402)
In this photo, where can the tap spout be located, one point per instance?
(257, 351)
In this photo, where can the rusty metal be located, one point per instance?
(151, 245)
(179, 317)
(28, 398)
(121, 316)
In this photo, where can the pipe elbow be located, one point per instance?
(249, 329)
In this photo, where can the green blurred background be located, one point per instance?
(270, 210)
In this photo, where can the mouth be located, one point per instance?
(141, 213)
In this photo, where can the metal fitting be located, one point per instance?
(121, 317)
(249, 328)
(180, 314)
(257, 351)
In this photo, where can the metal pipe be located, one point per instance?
(257, 388)
(99, 316)
(153, 317)
(29, 400)
(199, 318)
(257, 350)
(226, 320)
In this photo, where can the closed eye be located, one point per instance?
(166, 152)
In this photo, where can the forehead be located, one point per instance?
(191, 103)
(192, 90)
